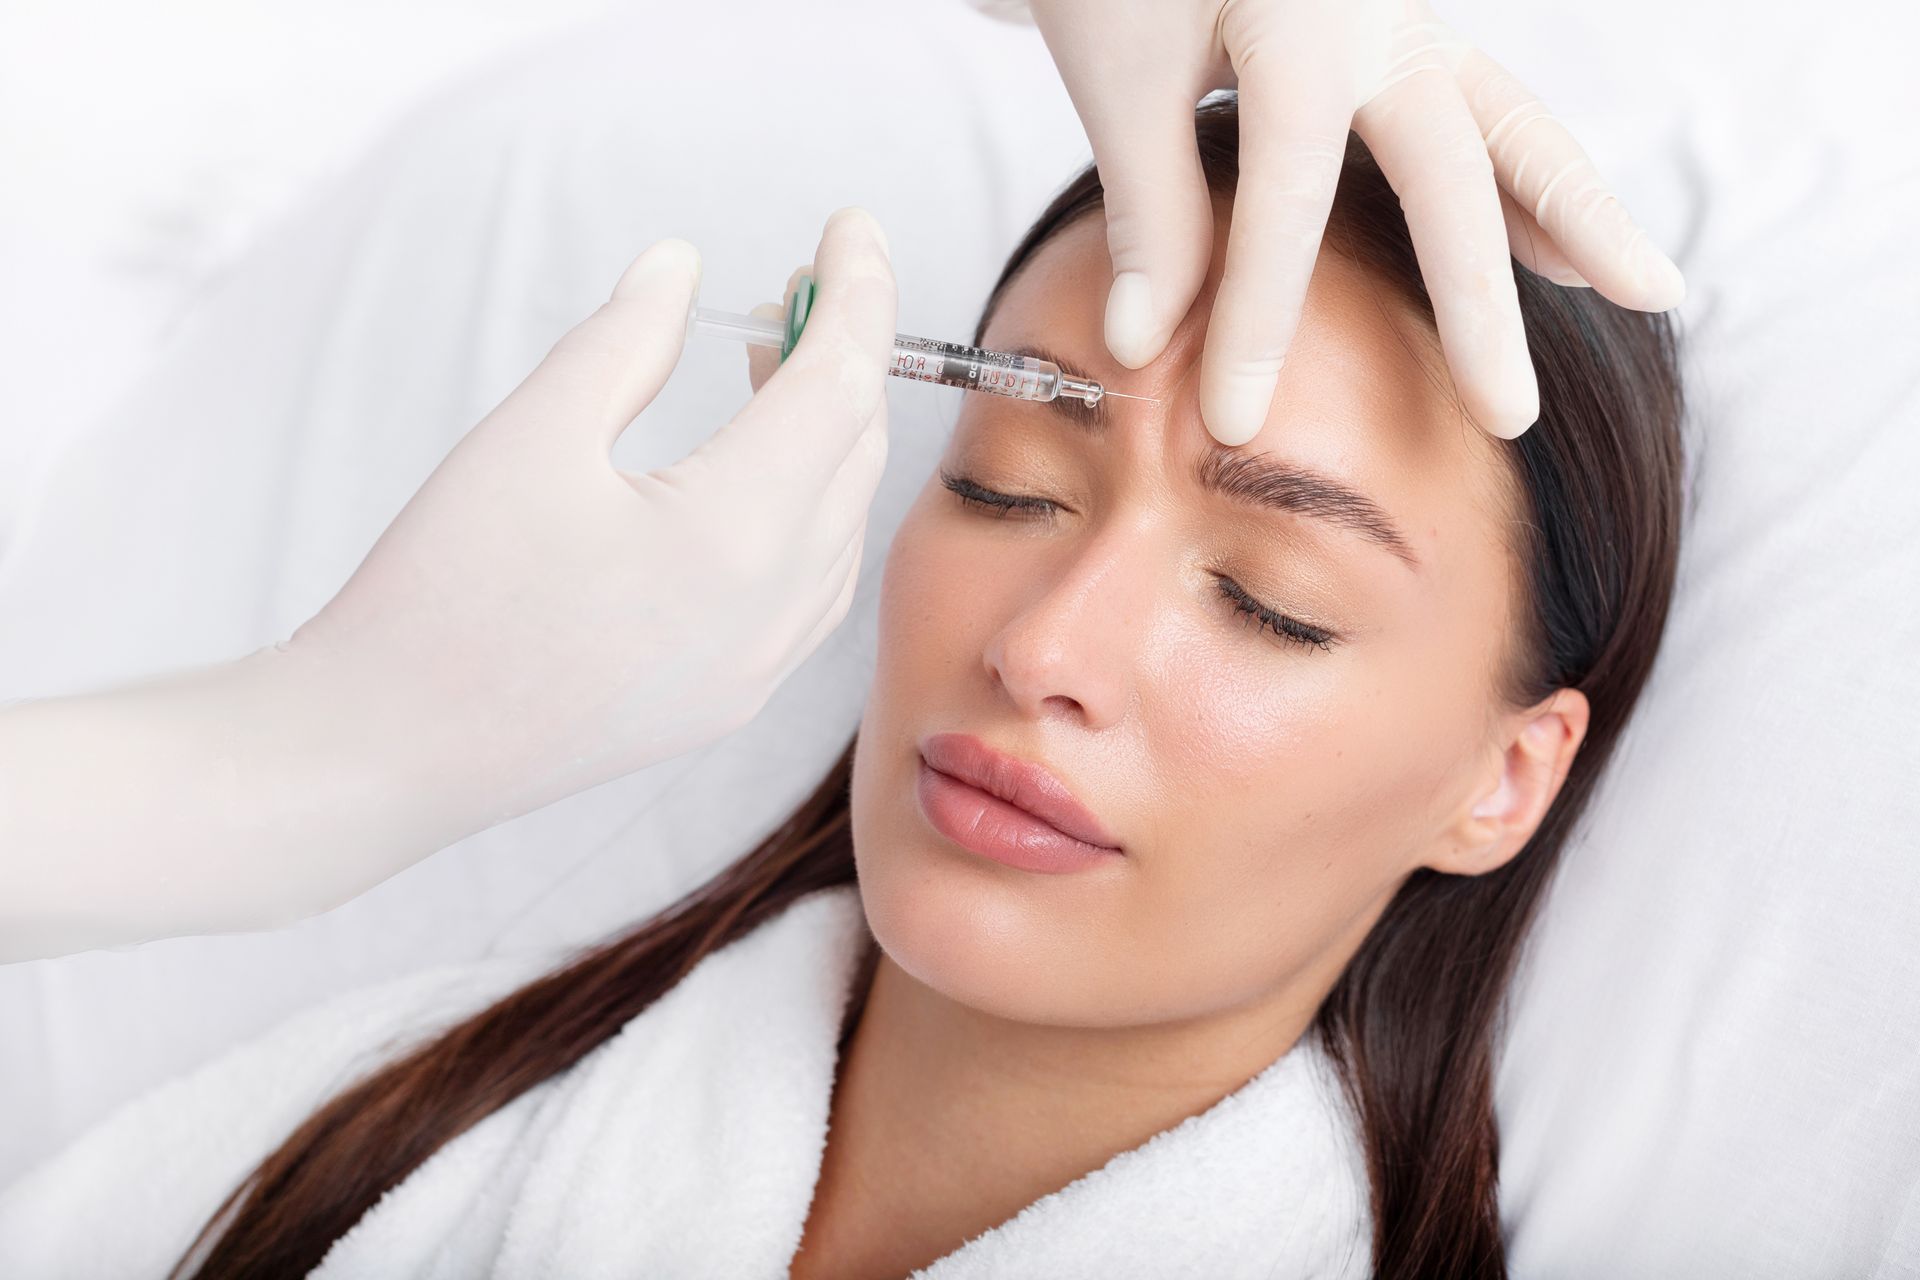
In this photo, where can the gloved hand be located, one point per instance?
(593, 621)
(1481, 167)
(532, 623)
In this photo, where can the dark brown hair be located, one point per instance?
(1413, 1021)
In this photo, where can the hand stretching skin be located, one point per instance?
(534, 622)
(1482, 169)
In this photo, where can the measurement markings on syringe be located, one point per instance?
(970, 368)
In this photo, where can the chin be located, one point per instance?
(1010, 943)
(1000, 941)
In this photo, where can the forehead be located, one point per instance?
(1364, 396)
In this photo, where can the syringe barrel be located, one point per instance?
(974, 369)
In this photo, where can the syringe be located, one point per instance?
(999, 373)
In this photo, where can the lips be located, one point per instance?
(1020, 783)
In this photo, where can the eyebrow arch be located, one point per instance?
(1255, 480)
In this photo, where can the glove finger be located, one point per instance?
(848, 570)
(791, 438)
(1159, 220)
(1534, 248)
(845, 574)
(1293, 139)
(606, 369)
(1540, 163)
(844, 504)
(762, 361)
(1135, 98)
(1432, 153)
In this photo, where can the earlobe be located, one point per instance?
(1513, 796)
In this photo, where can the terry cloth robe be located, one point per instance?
(688, 1144)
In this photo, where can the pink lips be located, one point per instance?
(1008, 809)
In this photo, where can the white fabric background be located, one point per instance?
(145, 146)
(1715, 1060)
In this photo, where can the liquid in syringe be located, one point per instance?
(1000, 373)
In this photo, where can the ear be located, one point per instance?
(1504, 807)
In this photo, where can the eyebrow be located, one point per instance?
(1254, 480)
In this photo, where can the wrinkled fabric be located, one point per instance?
(688, 1144)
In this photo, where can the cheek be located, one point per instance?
(1278, 807)
(1294, 796)
(1339, 760)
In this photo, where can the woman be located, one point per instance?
(1327, 707)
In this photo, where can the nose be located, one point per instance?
(1074, 642)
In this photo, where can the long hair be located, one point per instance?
(1413, 1021)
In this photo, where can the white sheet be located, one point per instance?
(1715, 1059)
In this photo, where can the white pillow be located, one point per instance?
(1713, 1068)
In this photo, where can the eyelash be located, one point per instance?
(1000, 505)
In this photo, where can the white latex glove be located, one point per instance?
(534, 622)
(1482, 170)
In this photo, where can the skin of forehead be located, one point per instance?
(1364, 368)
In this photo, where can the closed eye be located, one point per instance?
(1003, 505)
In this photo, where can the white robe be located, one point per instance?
(689, 1144)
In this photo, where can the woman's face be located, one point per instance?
(1268, 793)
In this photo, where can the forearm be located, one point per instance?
(242, 795)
